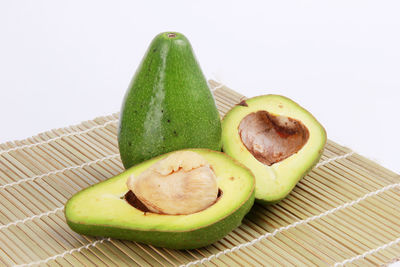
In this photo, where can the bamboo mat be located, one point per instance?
(346, 211)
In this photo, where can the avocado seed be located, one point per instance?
(272, 138)
(182, 183)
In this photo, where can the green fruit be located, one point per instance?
(101, 210)
(278, 140)
(168, 105)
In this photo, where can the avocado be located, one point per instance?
(168, 105)
(109, 209)
(278, 140)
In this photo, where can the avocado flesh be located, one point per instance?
(275, 180)
(168, 105)
(100, 209)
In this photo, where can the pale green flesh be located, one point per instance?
(274, 182)
(101, 204)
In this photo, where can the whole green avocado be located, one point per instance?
(168, 105)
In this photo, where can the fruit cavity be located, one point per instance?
(272, 138)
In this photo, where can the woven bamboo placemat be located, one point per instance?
(346, 211)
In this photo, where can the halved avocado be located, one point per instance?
(278, 140)
(102, 210)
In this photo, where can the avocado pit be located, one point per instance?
(182, 183)
(272, 138)
(137, 204)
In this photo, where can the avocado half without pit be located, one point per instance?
(181, 200)
(278, 140)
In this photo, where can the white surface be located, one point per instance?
(62, 62)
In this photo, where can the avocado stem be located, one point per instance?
(171, 35)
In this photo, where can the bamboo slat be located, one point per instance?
(346, 211)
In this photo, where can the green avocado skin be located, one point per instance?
(168, 105)
(173, 240)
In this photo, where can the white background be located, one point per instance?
(62, 62)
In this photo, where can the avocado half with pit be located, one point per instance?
(108, 209)
(278, 140)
